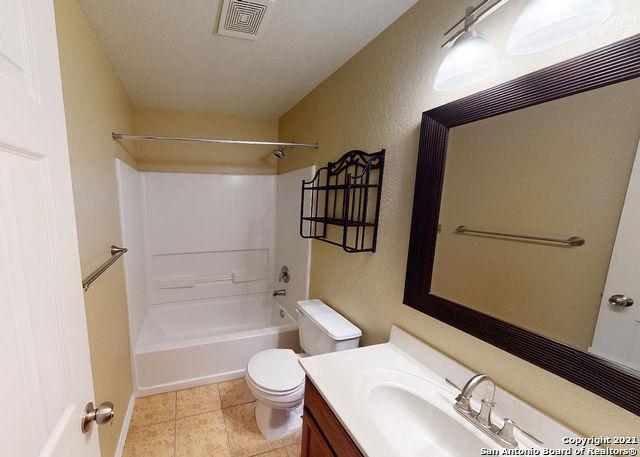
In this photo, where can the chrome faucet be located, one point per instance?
(482, 418)
(280, 292)
(463, 400)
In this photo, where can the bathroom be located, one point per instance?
(219, 175)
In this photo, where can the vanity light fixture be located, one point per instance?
(545, 24)
(472, 58)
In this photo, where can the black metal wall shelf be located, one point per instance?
(341, 204)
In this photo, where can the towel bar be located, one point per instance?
(571, 241)
(116, 253)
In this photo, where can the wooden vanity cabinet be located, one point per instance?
(322, 433)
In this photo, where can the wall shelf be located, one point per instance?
(340, 222)
(341, 204)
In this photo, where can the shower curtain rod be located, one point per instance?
(124, 136)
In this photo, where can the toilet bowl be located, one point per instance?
(275, 377)
(276, 380)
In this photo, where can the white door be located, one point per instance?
(46, 374)
(617, 335)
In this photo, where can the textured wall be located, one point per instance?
(375, 100)
(203, 157)
(95, 104)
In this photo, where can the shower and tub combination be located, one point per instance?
(206, 253)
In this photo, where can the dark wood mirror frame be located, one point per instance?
(611, 64)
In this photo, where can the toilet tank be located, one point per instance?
(324, 330)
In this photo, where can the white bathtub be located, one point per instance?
(204, 341)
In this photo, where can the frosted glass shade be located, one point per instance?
(545, 24)
(470, 60)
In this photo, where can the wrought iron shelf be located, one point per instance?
(344, 195)
(340, 222)
(343, 186)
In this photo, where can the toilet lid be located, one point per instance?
(276, 370)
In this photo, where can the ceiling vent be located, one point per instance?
(244, 18)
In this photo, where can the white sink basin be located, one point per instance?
(414, 417)
(393, 402)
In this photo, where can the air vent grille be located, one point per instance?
(242, 18)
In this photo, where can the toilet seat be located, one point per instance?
(265, 391)
(275, 376)
(276, 371)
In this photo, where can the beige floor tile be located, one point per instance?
(293, 439)
(197, 400)
(277, 453)
(234, 393)
(154, 409)
(203, 435)
(287, 440)
(244, 437)
(294, 450)
(151, 441)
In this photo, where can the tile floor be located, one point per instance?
(215, 420)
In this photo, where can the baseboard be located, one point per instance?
(125, 426)
(187, 383)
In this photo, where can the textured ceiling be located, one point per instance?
(168, 53)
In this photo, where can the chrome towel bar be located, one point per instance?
(116, 253)
(571, 241)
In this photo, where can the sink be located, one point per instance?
(393, 401)
(415, 417)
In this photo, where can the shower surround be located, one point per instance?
(201, 269)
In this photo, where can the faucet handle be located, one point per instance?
(452, 384)
(462, 402)
(484, 415)
(506, 433)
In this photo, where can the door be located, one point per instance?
(617, 335)
(313, 442)
(46, 374)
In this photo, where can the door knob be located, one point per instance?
(284, 274)
(620, 301)
(101, 415)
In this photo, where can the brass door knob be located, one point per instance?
(620, 301)
(101, 415)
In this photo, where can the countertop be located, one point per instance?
(337, 375)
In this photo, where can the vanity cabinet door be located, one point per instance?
(314, 443)
(322, 433)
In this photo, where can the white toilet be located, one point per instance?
(276, 379)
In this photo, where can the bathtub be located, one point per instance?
(198, 342)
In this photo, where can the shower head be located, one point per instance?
(279, 153)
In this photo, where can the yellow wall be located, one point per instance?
(375, 101)
(203, 157)
(561, 170)
(95, 104)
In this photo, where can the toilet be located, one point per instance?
(275, 377)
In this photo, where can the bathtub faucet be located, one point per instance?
(278, 292)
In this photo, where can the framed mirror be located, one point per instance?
(526, 219)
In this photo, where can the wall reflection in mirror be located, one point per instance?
(560, 171)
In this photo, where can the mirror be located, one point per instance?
(557, 171)
(526, 215)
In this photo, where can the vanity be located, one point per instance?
(322, 433)
(397, 399)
